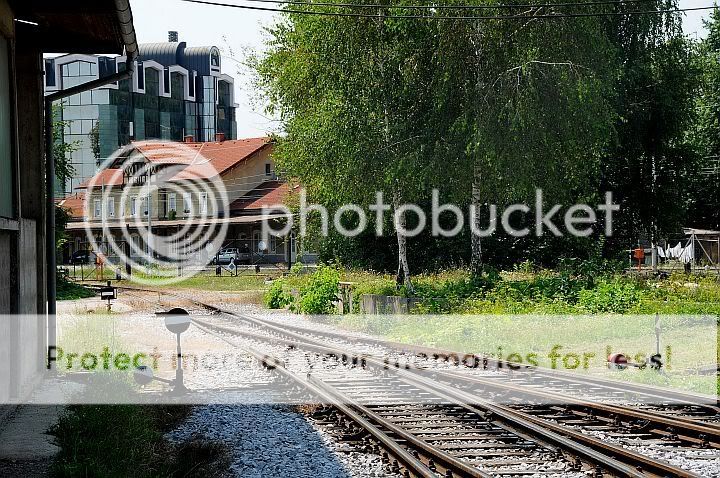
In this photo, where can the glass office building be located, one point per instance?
(177, 94)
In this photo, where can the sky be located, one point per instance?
(240, 32)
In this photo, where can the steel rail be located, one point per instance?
(690, 425)
(649, 390)
(590, 448)
(414, 465)
(693, 428)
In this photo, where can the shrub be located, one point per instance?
(615, 296)
(320, 292)
(68, 290)
(297, 268)
(276, 297)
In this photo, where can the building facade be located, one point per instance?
(27, 31)
(166, 186)
(177, 92)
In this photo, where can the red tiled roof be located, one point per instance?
(269, 193)
(75, 204)
(203, 160)
(107, 177)
(217, 158)
(169, 152)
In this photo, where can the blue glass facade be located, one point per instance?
(176, 92)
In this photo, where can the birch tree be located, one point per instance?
(356, 104)
(536, 109)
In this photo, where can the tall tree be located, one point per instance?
(652, 164)
(356, 99)
(64, 170)
(535, 110)
(705, 212)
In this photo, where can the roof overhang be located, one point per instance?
(77, 26)
(130, 223)
(700, 232)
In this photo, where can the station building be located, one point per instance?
(166, 186)
(28, 30)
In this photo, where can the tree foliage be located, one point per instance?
(487, 111)
(705, 208)
(652, 165)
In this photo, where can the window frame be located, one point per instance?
(12, 223)
(187, 204)
(110, 206)
(203, 197)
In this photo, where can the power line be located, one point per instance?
(451, 7)
(436, 17)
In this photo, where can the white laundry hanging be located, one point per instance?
(688, 254)
(677, 251)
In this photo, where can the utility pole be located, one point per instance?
(149, 213)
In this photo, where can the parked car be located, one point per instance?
(225, 256)
(83, 257)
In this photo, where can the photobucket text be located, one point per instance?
(518, 220)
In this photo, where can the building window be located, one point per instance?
(187, 202)
(273, 244)
(172, 202)
(111, 207)
(203, 203)
(133, 205)
(49, 72)
(7, 205)
(140, 74)
(97, 208)
(268, 171)
(145, 206)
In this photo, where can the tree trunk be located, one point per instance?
(476, 259)
(403, 273)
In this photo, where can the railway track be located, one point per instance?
(460, 429)
(491, 439)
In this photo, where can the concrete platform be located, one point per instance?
(25, 447)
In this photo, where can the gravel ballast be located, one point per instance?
(274, 441)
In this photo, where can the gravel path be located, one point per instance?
(274, 441)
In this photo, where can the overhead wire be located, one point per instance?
(449, 6)
(443, 17)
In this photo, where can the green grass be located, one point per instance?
(224, 283)
(127, 440)
(529, 312)
(68, 290)
(584, 341)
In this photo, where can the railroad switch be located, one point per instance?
(618, 361)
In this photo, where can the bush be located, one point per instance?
(127, 440)
(68, 290)
(320, 292)
(616, 296)
(276, 297)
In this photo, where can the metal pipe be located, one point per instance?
(127, 32)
